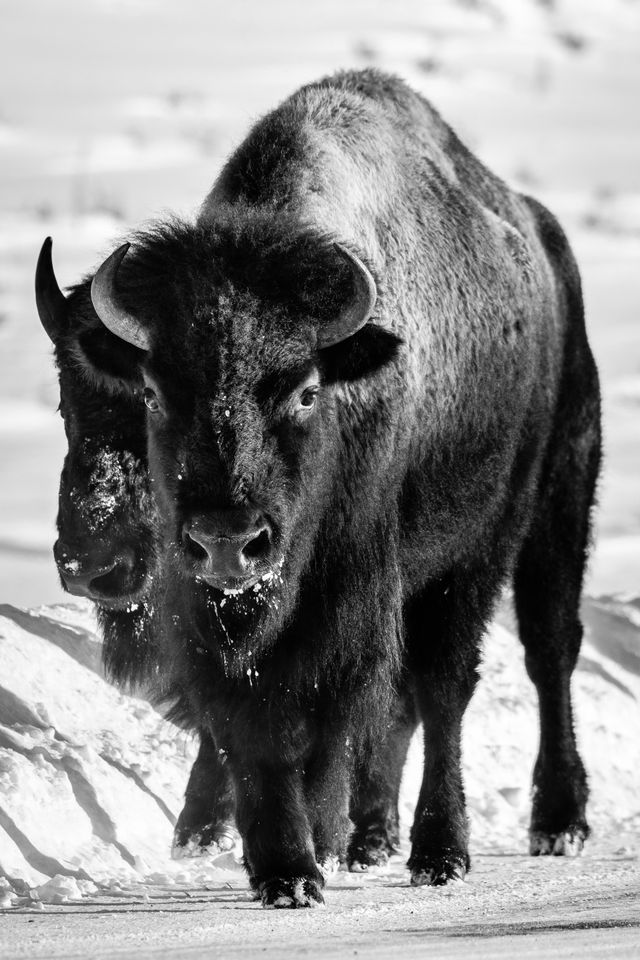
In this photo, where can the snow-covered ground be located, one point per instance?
(91, 781)
(112, 112)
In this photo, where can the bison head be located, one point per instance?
(250, 330)
(106, 518)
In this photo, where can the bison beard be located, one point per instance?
(371, 404)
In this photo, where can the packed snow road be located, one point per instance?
(508, 906)
(91, 780)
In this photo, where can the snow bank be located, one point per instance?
(91, 779)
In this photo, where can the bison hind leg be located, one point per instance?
(559, 826)
(376, 788)
(567, 843)
(548, 585)
(370, 849)
(550, 568)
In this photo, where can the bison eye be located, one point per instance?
(150, 399)
(307, 400)
(305, 403)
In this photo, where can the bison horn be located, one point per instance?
(356, 313)
(105, 301)
(50, 300)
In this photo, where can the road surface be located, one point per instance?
(509, 907)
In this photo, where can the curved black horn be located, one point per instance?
(356, 313)
(105, 300)
(50, 300)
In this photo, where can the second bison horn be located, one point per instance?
(51, 301)
(356, 313)
(105, 300)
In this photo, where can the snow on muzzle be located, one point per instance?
(112, 578)
(228, 548)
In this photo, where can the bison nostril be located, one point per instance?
(104, 581)
(258, 546)
(226, 544)
(194, 548)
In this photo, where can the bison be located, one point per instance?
(371, 404)
(107, 542)
(107, 548)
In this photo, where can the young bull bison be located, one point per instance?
(371, 403)
(106, 549)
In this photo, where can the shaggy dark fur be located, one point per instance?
(454, 444)
(107, 522)
(106, 548)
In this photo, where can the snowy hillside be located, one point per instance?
(91, 779)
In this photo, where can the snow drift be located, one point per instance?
(92, 778)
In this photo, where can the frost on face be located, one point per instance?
(106, 489)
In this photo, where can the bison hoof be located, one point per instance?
(565, 843)
(206, 843)
(369, 861)
(290, 894)
(370, 853)
(328, 866)
(438, 871)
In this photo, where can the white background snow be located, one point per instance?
(113, 112)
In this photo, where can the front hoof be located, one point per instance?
(209, 842)
(565, 843)
(281, 894)
(438, 871)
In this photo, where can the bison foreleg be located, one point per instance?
(206, 823)
(272, 818)
(439, 837)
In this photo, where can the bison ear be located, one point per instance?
(366, 352)
(108, 359)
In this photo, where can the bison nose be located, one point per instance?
(85, 576)
(227, 542)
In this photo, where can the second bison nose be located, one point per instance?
(97, 577)
(227, 543)
(87, 583)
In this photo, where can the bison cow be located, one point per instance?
(371, 404)
(106, 547)
(107, 544)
